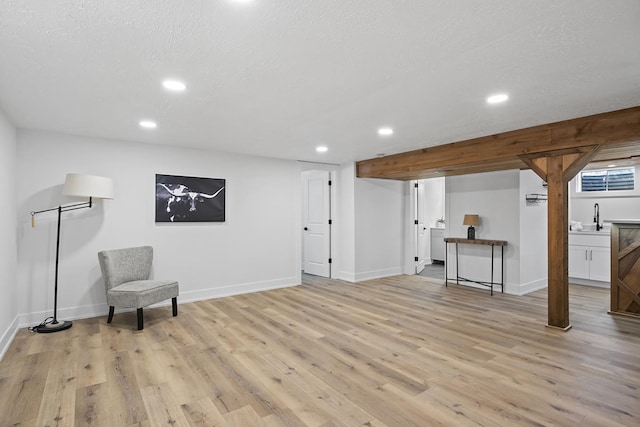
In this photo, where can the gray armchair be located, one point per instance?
(126, 278)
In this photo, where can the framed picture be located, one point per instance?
(189, 199)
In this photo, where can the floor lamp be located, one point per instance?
(79, 186)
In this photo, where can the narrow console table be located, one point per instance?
(492, 243)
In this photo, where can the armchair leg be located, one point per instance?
(174, 304)
(110, 318)
(140, 320)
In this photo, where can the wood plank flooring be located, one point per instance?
(400, 351)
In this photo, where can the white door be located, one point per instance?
(316, 223)
(421, 242)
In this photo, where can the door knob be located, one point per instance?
(305, 229)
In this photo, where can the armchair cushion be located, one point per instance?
(141, 293)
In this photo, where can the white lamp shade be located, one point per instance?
(88, 186)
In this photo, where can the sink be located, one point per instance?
(591, 228)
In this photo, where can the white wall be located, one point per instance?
(533, 235)
(495, 198)
(613, 205)
(256, 248)
(379, 227)
(346, 237)
(8, 223)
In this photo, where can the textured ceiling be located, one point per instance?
(278, 78)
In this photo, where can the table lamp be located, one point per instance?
(471, 220)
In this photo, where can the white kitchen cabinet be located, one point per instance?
(579, 261)
(600, 264)
(589, 256)
(437, 244)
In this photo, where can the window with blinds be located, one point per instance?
(607, 179)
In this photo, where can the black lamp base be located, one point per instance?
(471, 233)
(53, 327)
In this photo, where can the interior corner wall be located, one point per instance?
(257, 248)
(494, 196)
(380, 210)
(533, 235)
(8, 225)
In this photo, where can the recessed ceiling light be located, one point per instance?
(498, 98)
(611, 166)
(385, 131)
(148, 124)
(174, 85)
(321, 149)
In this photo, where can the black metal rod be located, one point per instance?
(55, 292)
(446, 263)
(66, 208)
(60, 209)
(502, 269)
(457, 269)
(492, 270)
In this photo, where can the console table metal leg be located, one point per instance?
(446, 263)
(457, 271)
(502, 270)
(492, 270)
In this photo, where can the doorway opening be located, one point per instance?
(317, 212)
(430, 229)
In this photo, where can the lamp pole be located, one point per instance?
(54, 325)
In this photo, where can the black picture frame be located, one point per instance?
(189, 199)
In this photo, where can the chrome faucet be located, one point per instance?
(596, 216)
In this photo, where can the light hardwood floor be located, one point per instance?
(401, 351)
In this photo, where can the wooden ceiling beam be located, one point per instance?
(502, 151)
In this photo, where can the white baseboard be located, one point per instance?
(368, 275)
(347, 277)
(8, 336)
(527, 288)
(244, 288)
(95, 310)
(586, 282)
(377, 274)
(70, 313)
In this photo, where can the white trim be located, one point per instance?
(587, 282)
(346, 276)
(377, 274)
(71, 313)
(527, 288)
(96, 310)
(238, 289)
(8, 336)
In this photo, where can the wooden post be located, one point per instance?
(558, 170)
(558, 245)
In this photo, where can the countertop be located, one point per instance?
(605, 232)
(624, 221)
